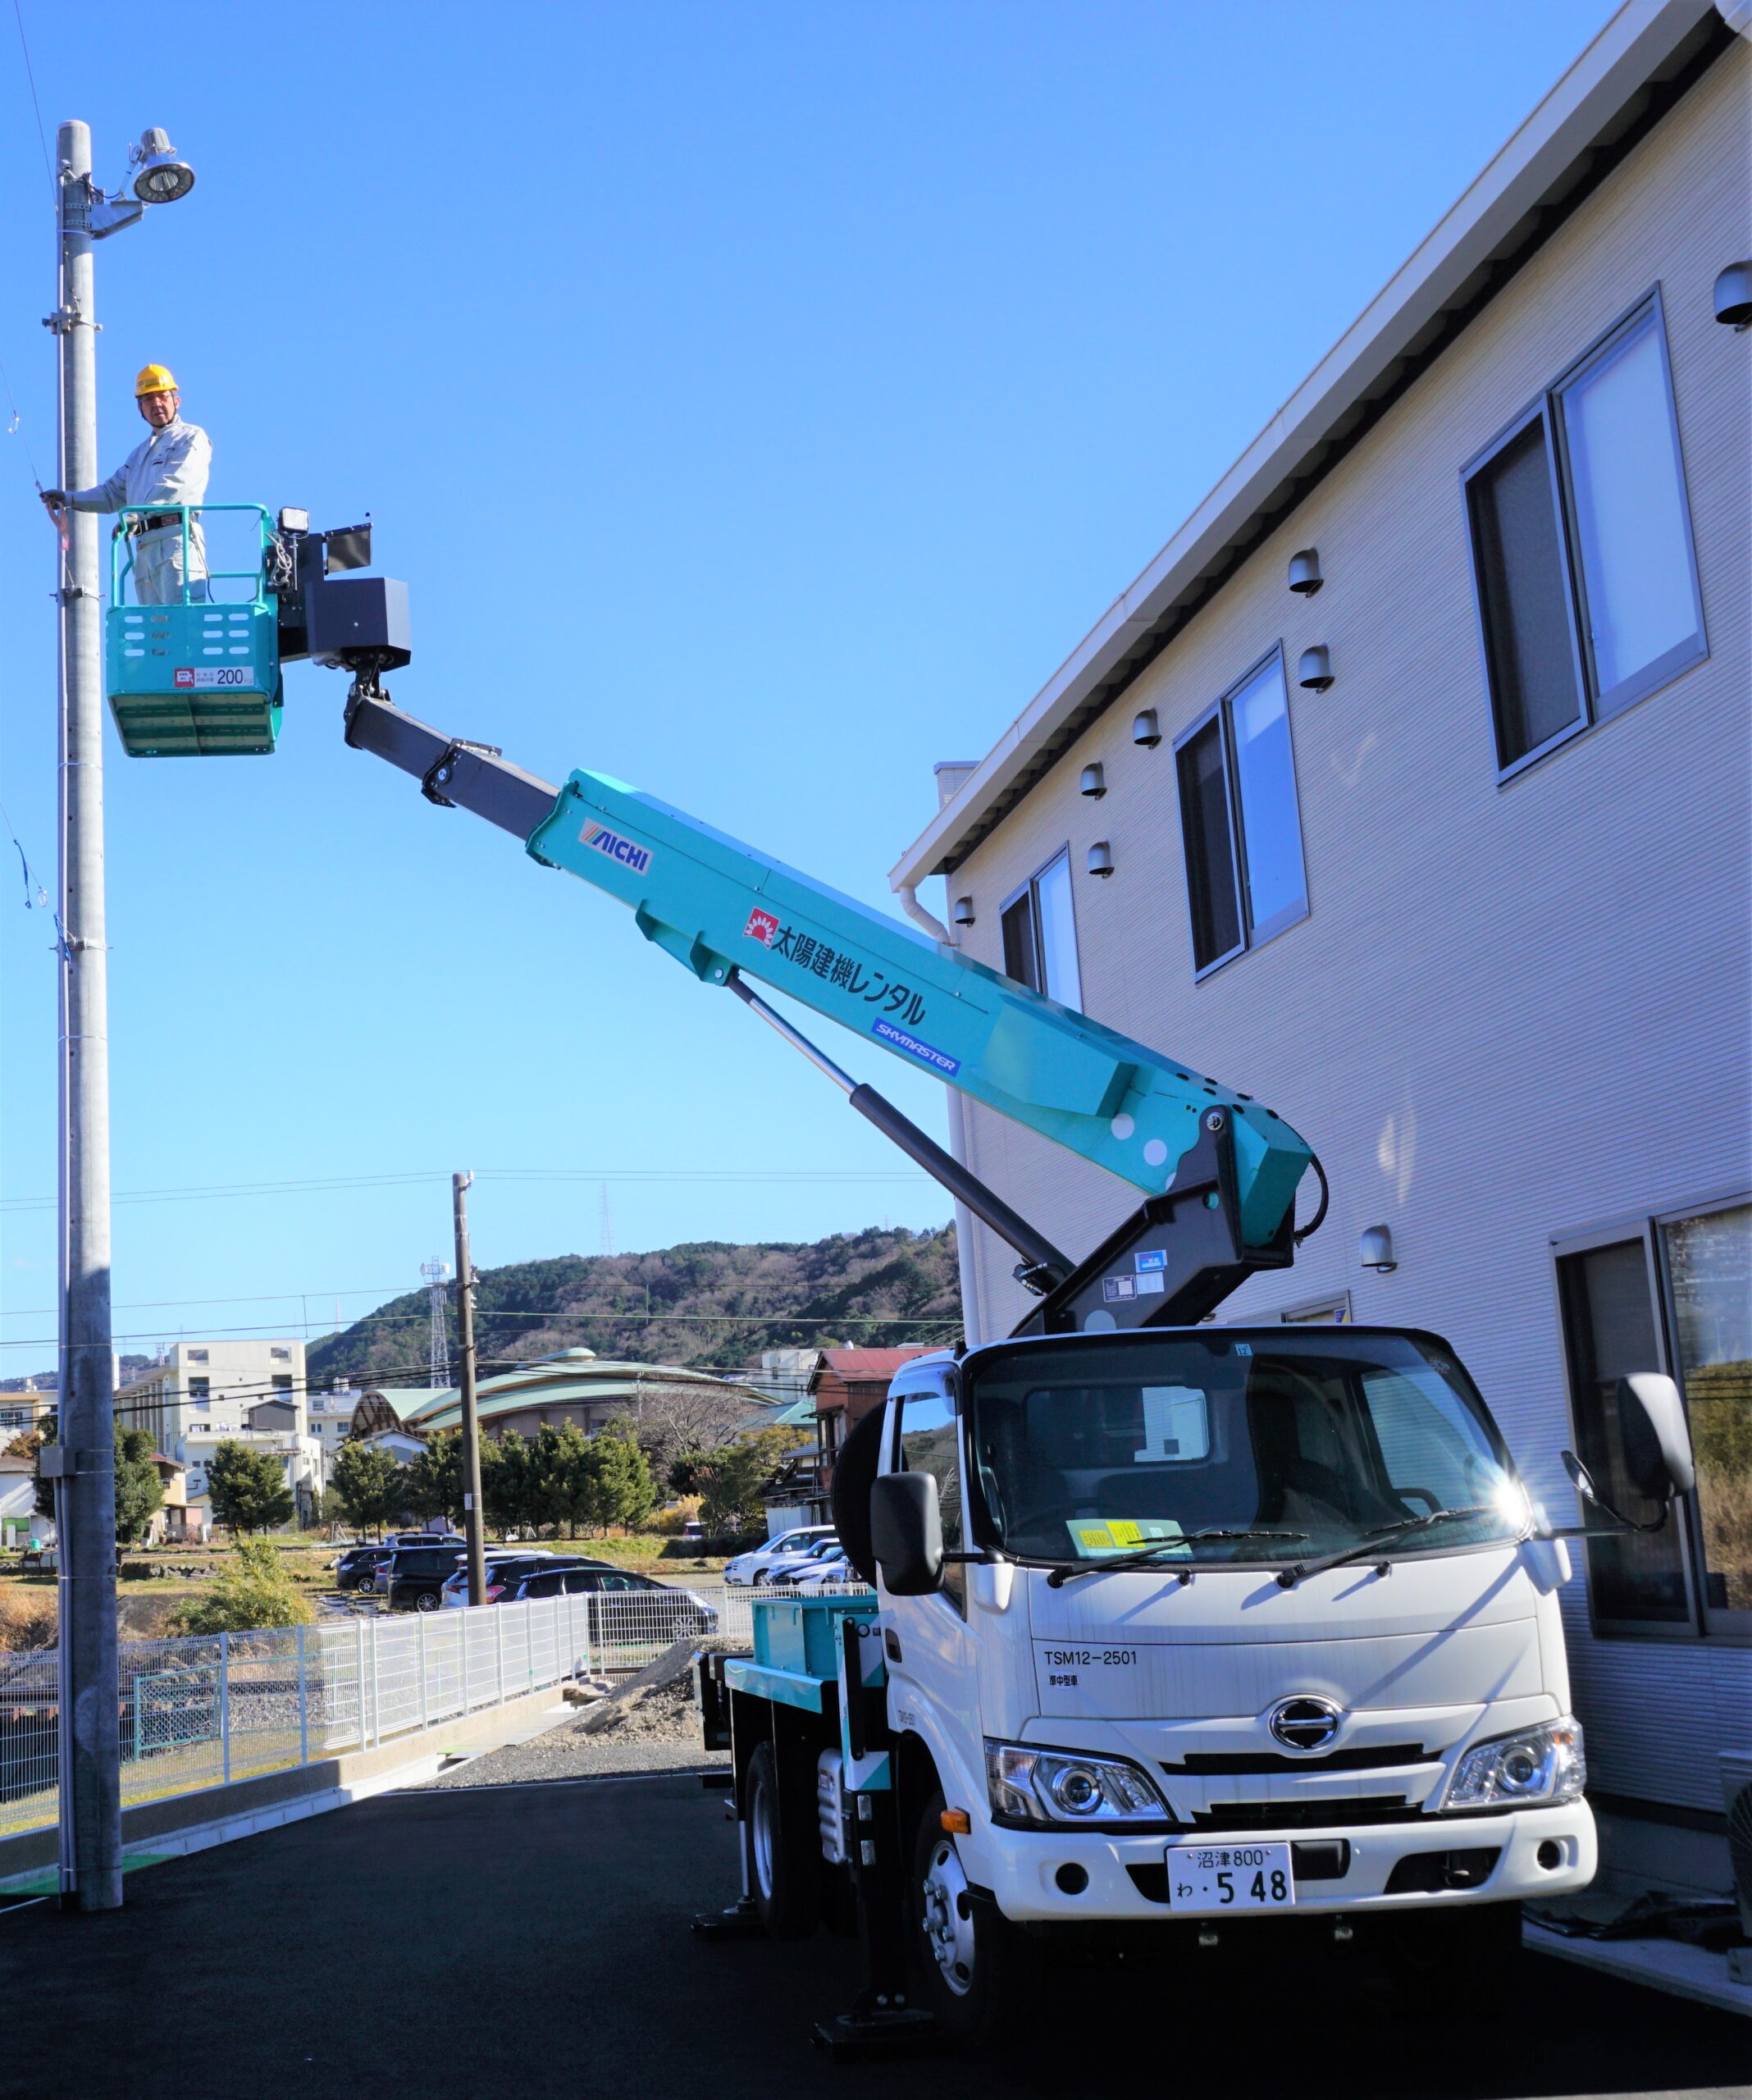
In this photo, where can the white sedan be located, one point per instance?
(782, 1552)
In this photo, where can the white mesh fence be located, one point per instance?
(202, 1712)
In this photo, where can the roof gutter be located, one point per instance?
(1593, 115)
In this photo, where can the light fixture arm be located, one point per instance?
(111, 214)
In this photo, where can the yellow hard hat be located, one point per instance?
(155, 379)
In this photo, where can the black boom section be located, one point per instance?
(451, 771)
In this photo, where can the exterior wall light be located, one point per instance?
(1375, 1250)
(1733, 296)
(963, 914)
(1304, 572)
(1101, 858)
(1093, 782)
(1146, 730)
(1314, 668)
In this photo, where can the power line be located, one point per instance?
(23, 43)
(714, 1175)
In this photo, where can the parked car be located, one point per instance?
(357, 1567)
(830, 1571)
(758, 1566)
(425, 1538)
(414, 1577)
(794, 1567)
(506, 1567)
(632, 1608)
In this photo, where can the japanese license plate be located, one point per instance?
(1230, 1877)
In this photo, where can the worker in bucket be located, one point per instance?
(171, 466)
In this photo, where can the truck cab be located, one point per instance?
(1215, 1626)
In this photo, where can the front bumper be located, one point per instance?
(1126, 1881)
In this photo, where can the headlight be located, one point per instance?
(1533, 1766)
(1058, 1786)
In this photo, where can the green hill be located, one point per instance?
(707, 1304)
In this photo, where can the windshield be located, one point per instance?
(1308, 1442)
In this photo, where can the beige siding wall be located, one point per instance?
(1512, 1011)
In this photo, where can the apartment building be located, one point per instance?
(1407, 790)
(203, 1394)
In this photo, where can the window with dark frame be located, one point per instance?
(1039, 932)
(1240, 820)
(1676, 1298)
(1582, 559)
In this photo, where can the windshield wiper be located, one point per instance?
(1068, 1571)
(1374, 1542)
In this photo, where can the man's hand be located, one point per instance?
(55, 499)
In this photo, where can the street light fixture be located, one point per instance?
(161, 175)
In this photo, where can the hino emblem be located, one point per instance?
(1304, 1723)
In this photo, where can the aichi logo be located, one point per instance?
(762, 926)
(183, 679)
(601, 840)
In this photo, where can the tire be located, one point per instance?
(366, 1585)
(974, 1966)
(784, 1849)
(1429, 1953)
(854, 1476)
(426, 1600)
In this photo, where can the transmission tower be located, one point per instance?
(438, 1346)
(607, 1243)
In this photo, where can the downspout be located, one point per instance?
(964, 1225)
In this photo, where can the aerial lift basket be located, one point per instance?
(199, 678)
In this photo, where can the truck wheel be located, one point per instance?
(1473, 1945)
(974, 1963)
(784, 1850)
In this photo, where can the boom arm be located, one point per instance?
(724, 911)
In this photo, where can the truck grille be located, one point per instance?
(1238, 1762)
(1304, 1814)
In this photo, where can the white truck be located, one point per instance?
(1177, 1636)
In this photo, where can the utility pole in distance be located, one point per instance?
(465, 1350)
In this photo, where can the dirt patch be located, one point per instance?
(657, 1706)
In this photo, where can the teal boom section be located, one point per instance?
(716, 905)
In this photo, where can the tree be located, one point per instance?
(369, 1484)
(620, 1490)
(730, 1480)
(435, 1479)
(255, 1592)
(139, 1492)
(26, 1445)
(248, 1489)
(507, 1482)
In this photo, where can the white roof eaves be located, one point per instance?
(1620, 61)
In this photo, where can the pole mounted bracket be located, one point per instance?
(62, 1461)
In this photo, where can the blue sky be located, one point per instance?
(759, 401)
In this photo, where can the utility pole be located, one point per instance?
(82, 1463)
(90, 1750)
(465, 1351)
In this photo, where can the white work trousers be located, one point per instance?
(158, 566)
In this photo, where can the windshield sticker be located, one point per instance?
(1115, 1287)
(1094, 1538)
(1151, 1257)
(1176, 1426)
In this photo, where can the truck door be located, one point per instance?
(935, 1687)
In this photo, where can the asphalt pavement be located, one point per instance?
(519, 1942)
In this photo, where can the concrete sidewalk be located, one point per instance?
(532, 1941)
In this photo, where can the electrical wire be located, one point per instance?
(809, 1176)
(24, 45)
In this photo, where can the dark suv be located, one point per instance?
(505, 1570)
(414, 1577)
(358, 1567)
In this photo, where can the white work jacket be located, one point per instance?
(171, 467)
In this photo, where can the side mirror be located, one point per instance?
(906, 1532)
(1657, 1443)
